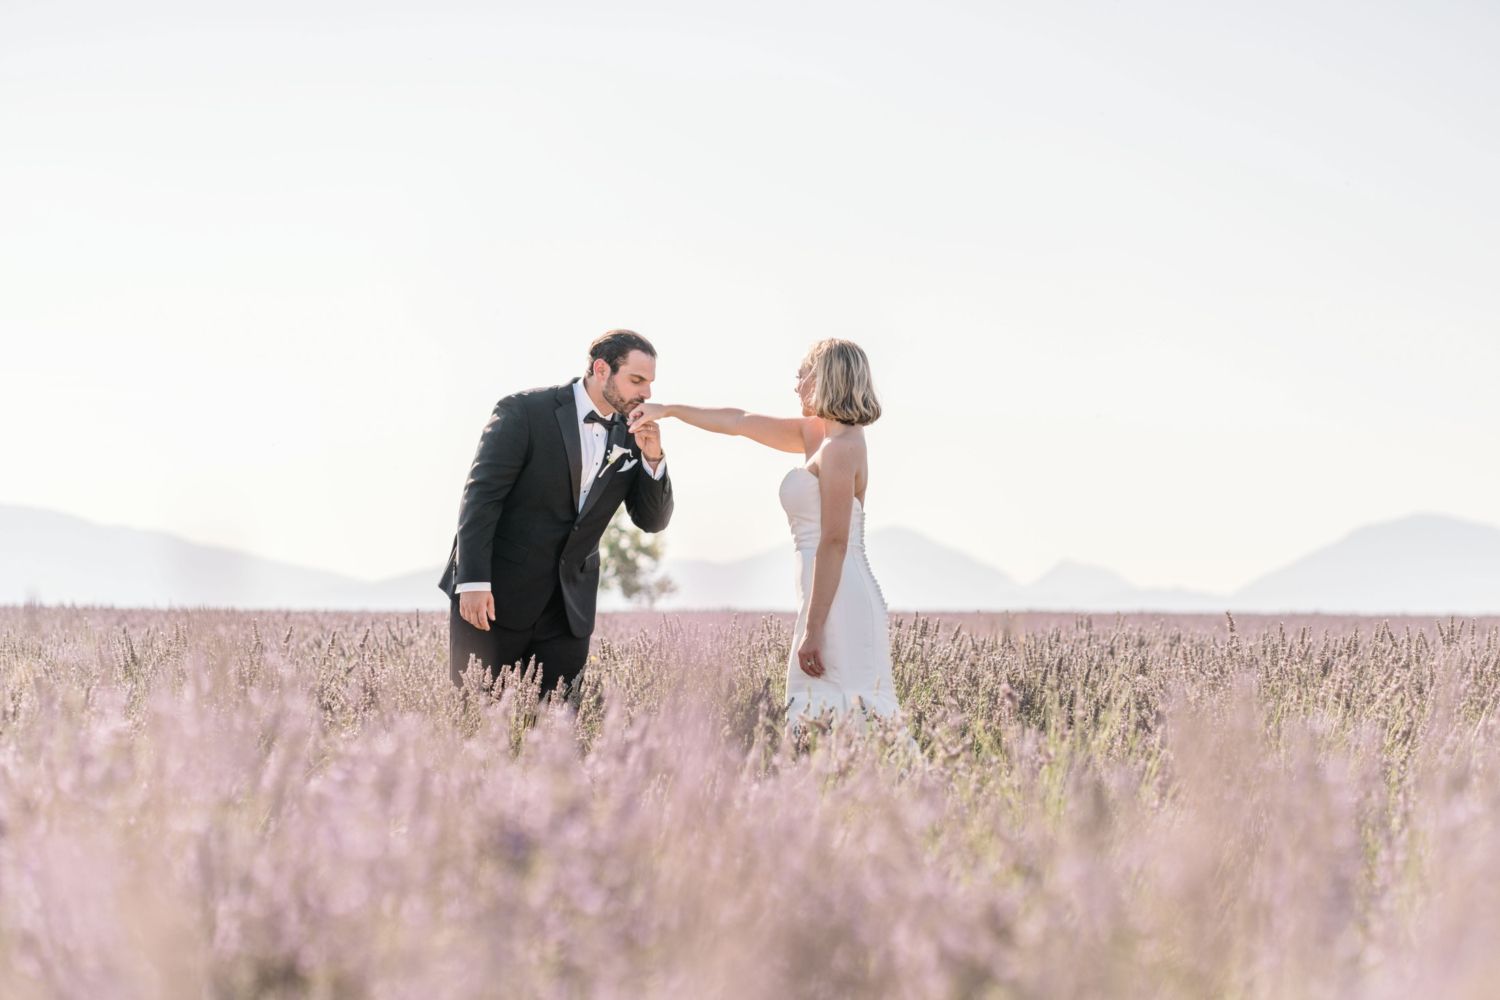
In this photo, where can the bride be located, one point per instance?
(841, 659)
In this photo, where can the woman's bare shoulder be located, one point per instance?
(846, 451)
(848, 444)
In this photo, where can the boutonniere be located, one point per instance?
(615, 454)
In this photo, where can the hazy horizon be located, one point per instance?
(1419, 565)
(1181, 292)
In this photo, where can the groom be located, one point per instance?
(552, 468)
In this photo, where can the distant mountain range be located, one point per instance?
(1427, 564)
(1424, 564)
(56, 558)
(918, 574)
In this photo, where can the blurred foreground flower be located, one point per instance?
(216, 804)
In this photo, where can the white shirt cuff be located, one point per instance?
(659, 471)
(465, 588)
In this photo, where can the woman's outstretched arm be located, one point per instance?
(800, 435)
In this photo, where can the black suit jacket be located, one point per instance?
(519, 526)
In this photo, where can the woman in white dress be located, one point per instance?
(841, 658)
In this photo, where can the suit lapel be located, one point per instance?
(616, 437)
(567, 422)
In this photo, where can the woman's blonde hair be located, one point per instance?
(842, 387)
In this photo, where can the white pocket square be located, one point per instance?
(615, 454)
(629, 465)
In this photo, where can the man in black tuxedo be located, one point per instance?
(552, 468)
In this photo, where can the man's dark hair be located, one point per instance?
(615, 346)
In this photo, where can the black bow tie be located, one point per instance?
(592, 417)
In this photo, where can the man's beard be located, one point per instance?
(612, 396)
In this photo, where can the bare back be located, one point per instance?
(843, 451)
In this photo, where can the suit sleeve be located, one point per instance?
(649, 501)
(497, 463)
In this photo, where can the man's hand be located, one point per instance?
(477, 607)
(648, 439)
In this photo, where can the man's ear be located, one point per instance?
(597, 371)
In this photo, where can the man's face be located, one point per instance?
(631, 385)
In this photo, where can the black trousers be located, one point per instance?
(559, 654)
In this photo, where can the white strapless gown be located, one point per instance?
(856, 651)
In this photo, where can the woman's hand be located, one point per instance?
(645, 413)
(810, 652)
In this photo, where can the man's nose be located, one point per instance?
(645, 392)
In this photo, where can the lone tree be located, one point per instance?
(629, 561)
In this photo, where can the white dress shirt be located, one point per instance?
(593, 437)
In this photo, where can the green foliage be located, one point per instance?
(629, 562)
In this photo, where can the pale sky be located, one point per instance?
(1180, 289)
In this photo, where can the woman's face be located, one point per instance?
(805, 384)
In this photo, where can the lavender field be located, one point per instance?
(216, 804)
